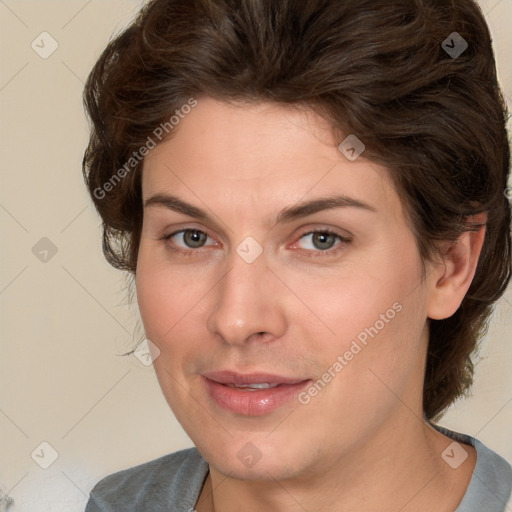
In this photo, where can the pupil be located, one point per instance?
(192, 237)
(324, 238)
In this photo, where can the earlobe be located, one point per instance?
(451, 278)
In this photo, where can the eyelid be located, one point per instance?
(184, 230)
(344, 240)
(325, 229)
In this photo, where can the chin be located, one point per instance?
(243, 459)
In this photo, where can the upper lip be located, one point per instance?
(231, 377)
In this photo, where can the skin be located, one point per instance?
(361, 443)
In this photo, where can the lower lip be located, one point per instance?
(253, 403)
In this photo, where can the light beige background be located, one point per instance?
(64, 322)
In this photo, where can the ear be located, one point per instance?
(451, 278)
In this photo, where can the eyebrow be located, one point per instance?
(287, 215)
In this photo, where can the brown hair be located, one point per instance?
(380, 69)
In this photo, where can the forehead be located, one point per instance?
(256, 132)
(254, 153)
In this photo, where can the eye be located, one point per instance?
(190, 239)
(323, 241)
(319, 243)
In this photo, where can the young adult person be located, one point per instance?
(311, 198)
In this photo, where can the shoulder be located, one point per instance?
(491, 484)
(171, 482)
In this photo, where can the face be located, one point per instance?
(289, 335)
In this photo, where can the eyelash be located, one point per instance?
(319, 253)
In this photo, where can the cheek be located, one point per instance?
(367, 372)
(154, 298)
(172, 309)
(377, 317)
(165, 297)
(163, 305)
(368, 300)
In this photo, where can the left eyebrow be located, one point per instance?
(318, 205)
(287, 215)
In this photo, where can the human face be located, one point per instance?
(304, 304)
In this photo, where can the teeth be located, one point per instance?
(262, 385)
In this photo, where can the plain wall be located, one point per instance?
(65, 321)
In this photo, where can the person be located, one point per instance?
(311, 199)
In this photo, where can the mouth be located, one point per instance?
(252, 394)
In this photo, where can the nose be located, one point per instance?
(247, 304)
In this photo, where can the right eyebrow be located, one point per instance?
(175, 204)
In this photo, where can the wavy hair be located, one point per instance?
(387, 70)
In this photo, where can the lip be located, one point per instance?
(256, 402)
(239, 379)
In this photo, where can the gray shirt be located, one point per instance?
(173, 483)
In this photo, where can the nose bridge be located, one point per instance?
(246, 302)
